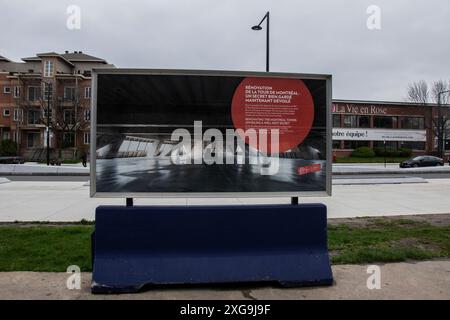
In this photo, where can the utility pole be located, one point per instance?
(440, 126)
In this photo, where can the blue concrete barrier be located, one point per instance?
(158, 245)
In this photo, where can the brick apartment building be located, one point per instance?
(61, 81)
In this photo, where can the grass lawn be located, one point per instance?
(370, 160)
(54, 248)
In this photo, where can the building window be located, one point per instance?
(413, 123)
(336, 120)
(33, 139)
(34, 93)
(68, 140)
(69, 116)
(336, 144)
(16, 115)
(48, 68)
(6, 90)
(87, 92)
(6, 112)
(44, 113)
(385, 122)
(87, 115)
(353, 144)
(352, 121)
(363, 121)
(87, 138)
(6, 135)
(33, 116)
(69, 93)
(16, 92)
(16, 136)
(349, 121)
(413, 145)
(389, 144)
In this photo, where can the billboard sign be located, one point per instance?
(210, 133)
(379, 134)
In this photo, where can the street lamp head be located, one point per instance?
(257, 28)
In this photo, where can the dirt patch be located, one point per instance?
(437, 220)
(415, 243)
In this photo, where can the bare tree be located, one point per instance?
(436, 88)
(418, 92)
(66, 119)
(440, 126)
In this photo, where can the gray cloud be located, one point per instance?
(327, 36)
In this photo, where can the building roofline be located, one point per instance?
(392, 103)
(54, 54)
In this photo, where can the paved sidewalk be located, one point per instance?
(414, 280)
(70, 201)
(33, 168)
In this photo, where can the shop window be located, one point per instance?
(353, 144)
(349, 121)
(336, 144)
(336, 120)
(413, 145)
(385, 122)
(363, 121)
(412, 123)
(389, 144)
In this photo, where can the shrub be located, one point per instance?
(387, 152)
(405, 152)
(363, 152)
(8, 148)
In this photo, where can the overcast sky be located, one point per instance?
(313, 36)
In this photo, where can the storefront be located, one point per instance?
(385, 124)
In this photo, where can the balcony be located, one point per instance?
(66, 102)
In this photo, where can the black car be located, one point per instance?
(13, 160)
(422, 161)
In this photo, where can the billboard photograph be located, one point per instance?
(199, 133)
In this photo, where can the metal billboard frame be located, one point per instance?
(123, 71)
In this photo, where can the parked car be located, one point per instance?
(422, 161)
(12, 159)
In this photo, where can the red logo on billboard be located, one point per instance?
(309, 169)
(273, 103)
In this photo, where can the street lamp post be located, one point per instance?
(440, 125)
(257, 28)
(294, 200)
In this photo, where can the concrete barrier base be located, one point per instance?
(161, 245)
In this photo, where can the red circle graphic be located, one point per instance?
(273, 103)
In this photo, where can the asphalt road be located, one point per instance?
(366, 176)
